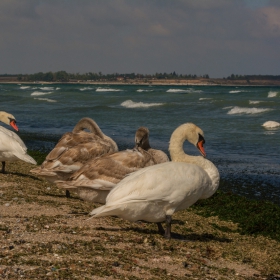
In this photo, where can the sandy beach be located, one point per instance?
(44, 235)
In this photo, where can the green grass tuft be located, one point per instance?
(253, 217)
(38, 156)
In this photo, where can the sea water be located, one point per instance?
(246, 153)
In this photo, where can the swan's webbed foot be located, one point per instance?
(167, 233)
(67, 193)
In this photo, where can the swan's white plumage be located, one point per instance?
(12, 147)
(155, 192)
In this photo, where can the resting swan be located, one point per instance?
(156, 192)
(74, 149)
(98, 176)
(12, 147)
(142, 140)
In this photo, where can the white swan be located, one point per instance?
(154, 193)
(12, 147)
(74, 149)
(98, 176)
(271, 124)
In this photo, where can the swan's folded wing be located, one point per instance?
(153, 183)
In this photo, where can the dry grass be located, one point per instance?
(44, 235)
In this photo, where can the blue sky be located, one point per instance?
(214, 37)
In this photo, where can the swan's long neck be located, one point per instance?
(177, 153)
(91, 125)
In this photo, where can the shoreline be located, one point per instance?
(194, 82)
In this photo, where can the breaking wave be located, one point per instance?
(107, 89)
(239, 110)
(177, 90)
(46, 99)
(272, 94)
(131, 104)
(85, 88)
(37, 93)
(144, 90)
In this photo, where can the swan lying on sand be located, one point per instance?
(12, 147)
(73, 150)
(97, 177)
(156, 192)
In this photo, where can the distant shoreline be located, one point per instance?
(192, 82)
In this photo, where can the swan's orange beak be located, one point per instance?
(200, 147)
(13, 125)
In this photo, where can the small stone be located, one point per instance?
(115, 264)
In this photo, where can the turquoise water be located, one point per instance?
(246, 154)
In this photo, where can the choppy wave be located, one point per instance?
(235, 91)
(244, 110)
(46, 99)
(272, 94)
(177, 90)
(24, 87)
(85, 88)
(107, 89)
(254, 102)
(46, 88)
(144, 90)
(205, 98)
(132, 104)
(36, 93)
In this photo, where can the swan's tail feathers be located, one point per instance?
(65, 185)
(105, 210)
(35, 170)
(27, 158)
(41, 172)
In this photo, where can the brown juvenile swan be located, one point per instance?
(97, 177)
(74, 149)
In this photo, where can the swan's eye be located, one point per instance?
(201, 138)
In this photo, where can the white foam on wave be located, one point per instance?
(205, 98)
(243, 110)
(177, 90)
(272, 94)
(107, 89)
(144, 90)
(46, 99)
(85, 88)
(235, 91)
(131, 104)
(271, 124)
(24, 87)
(254, 102)
(36, 93)
(46, 88)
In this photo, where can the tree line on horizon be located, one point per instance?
(63, 76)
